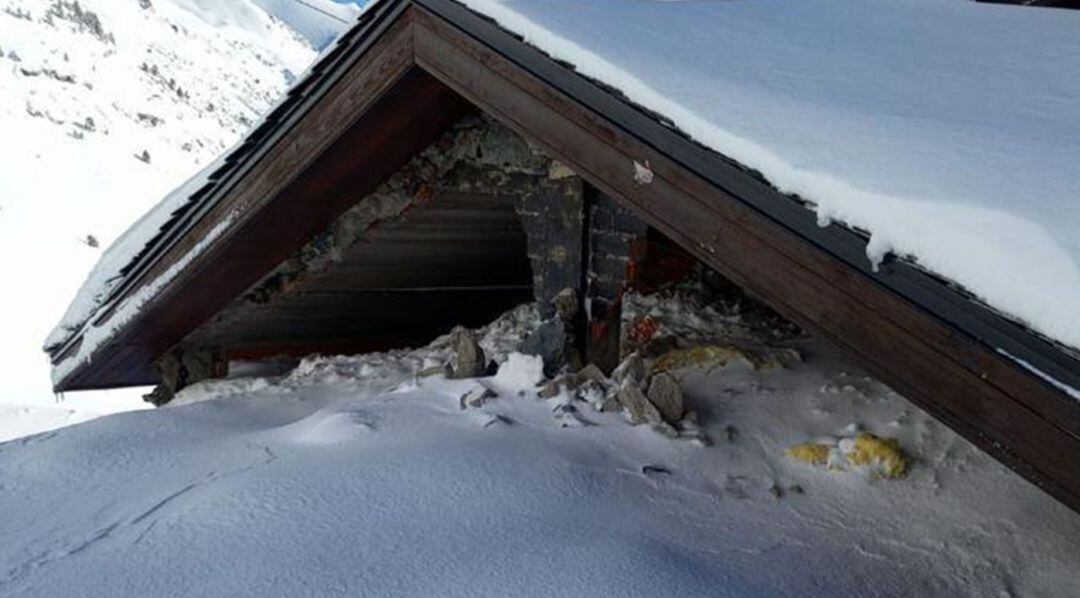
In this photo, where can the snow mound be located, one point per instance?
(355, 476)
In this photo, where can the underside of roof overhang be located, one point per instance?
(413, 67)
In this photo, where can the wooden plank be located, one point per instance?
(989, 399)
(309, 318)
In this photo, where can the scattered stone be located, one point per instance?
(548, 341)
(469, 359)
(477, 397)
(637, 406)
(666, 394)
(589, 381)
(569, 417)
(553, 388)
(610, 404)
(631, 372)
(591, 373)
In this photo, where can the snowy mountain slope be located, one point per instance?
(104, 107)
(351, 476)
(320, 21)
(19, 421)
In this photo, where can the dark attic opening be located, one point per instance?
(475, 224)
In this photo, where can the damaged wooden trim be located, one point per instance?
(975, 390)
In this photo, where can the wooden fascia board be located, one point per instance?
(989, 399)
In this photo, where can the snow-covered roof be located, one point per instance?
(947, 130)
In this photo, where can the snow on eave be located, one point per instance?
(95, 336)
(118, 261)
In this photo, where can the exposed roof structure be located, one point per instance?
(732, 187)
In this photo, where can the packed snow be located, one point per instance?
(357, 476)
(105, 107)
(949, 130)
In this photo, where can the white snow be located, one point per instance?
(1072, 392)
(181, 80)
(947, 129)
(351, 476)
(320, 21)
(19, 421)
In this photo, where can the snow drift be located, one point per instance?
(352, 476)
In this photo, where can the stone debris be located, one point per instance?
(666, 395)
(469, 359)
(631, 372)
(638, 407)
(588, 381)
(477, 397)
(568, 416)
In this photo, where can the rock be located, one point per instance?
(477, 397)
(548, 342)
(610, 404)
(666, 394)
(590, 373)
(638, 407)
(469, 359)
(554, 387)
(631, 372)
